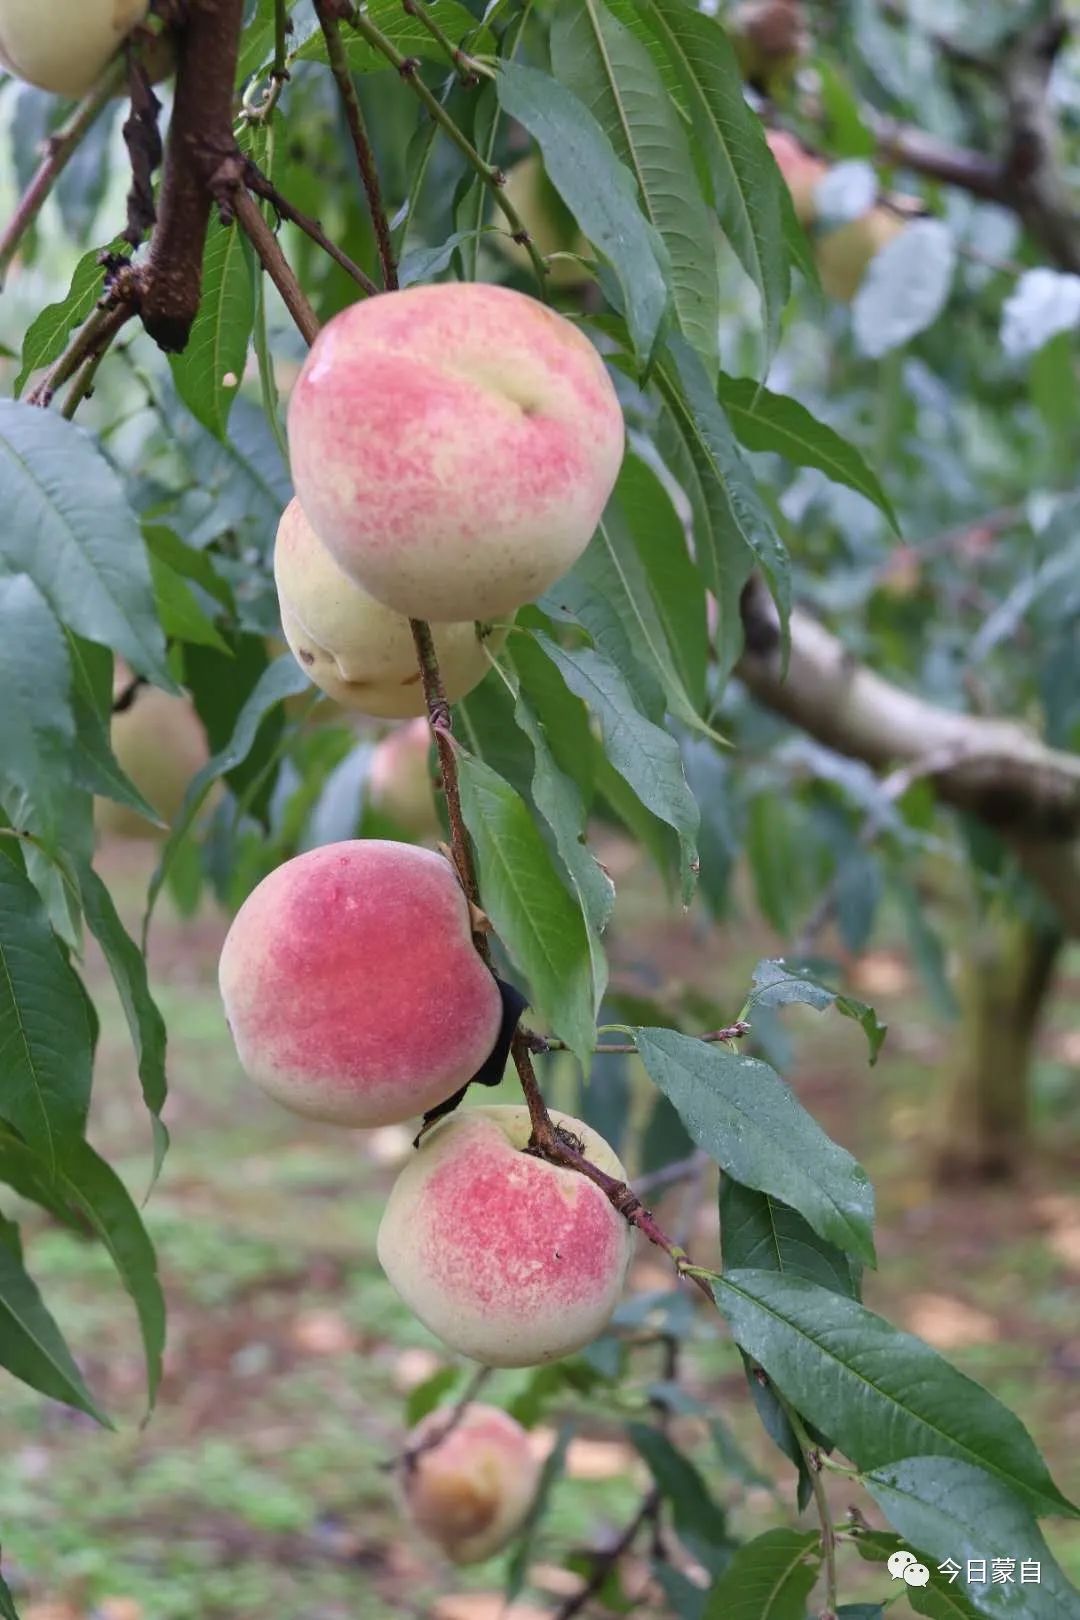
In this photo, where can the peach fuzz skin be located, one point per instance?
(352, 987)
(506, 1258)
(357, 651)
(454, 447)
(470, 1493)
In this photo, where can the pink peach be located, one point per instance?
(454, 447)
(801, 171)
(352, 986)
(470, 1491)
(399, 781)
(507, 1258)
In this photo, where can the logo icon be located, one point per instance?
(904, 1566)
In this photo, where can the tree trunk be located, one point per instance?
(1004, 984)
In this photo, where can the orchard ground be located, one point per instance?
(256, 1488)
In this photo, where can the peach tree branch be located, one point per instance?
(262, 187)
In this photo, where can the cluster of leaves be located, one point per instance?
(151, 541)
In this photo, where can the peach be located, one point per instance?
(471, 1491)
(352, 986)
(454, 447)
(66, 45)
(357, 651)
(506, 1258)
(159, 742)
(844, 254)
(801, 172)
(399, 782)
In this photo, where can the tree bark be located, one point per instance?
(1005, 981)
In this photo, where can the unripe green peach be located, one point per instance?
(159, 742)
(548, 221)
(471, 1491)
(359, 652)
(507, 1258)
(454, 446)
(65, 45)
(352, 986)
(399, 782)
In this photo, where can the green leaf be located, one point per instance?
(189, 563)
(424, 263)
(541, 926)
(777, 985)
(550, 1475)
(769, 1578)
(45, 1046)
(94, 766)
(7, 1602)
(905, 288)
(643, 754)
(182, 619)
(406, 32)
(748, 191)
(37, 731)
(950, 1510)
(47, 335)
(32, 1346)
(700, 1522)
(128, 968)
(558, 800)
(676, 586)
(939, 1600)
(67, 524)
(745, 1117)
(598, 190)
(95, 1189)
(767, 421)
(737, 519)
(613, 75)
(218, 345)
(880, 1393)
(759, 1233)
(21, 1169)
(284, 678)
(425, 1397)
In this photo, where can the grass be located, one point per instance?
(257, 1485)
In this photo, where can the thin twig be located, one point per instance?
(604, 1562)
(438, 710)
(492, 176)
(274, 262)
(812, 1459)
(90, 342)
(406, 1460)
(467, 69)
(326, 11)
(551, 1043)
(59, 149)
(258, 182)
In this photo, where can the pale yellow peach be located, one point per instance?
(357, 651)
(505, 1257)
(64, 45)
(159, 742)
(471, 1491)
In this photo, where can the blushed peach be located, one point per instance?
(507, 1258)
(359, 652)
(454, 447)
(399, 781)
(801, 172)
(65, 46)
(471, 1491)
(352, 986)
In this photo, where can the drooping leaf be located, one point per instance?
(769, 1578)
(48, 333)
(613, 75)
(181, 616)
(208, 372)
(598, 190)
(880, 1393)
(45, 1048)
(737, 520)
(767, 421)
(550, 1474)
(778, 985)
(748, 193)
(68, 525)
(94, 766)
(37, 728)
(32, 1346)
(759, 1233)
(747, 1120)
(540, 924)
(145, 1023)
(699, 1520)
(952, 1510)
(643, 754)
